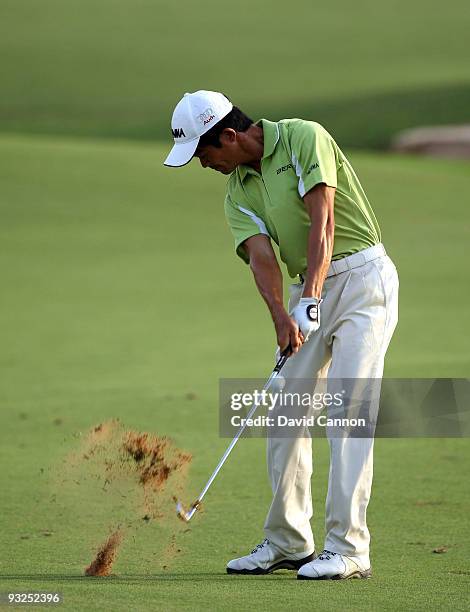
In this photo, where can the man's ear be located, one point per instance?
(228, 136)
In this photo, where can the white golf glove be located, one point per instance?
(307, 315)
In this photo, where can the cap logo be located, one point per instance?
(207, 116)
(178, 133)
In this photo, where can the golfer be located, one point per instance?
(291, 184)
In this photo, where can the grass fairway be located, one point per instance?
(122, 298)
(111, 68)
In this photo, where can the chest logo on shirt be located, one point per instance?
(283, 168)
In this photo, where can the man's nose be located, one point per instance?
(203, 162)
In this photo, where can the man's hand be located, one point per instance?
(287, 331)
(307, 316)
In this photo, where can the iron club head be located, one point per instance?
(186, 515)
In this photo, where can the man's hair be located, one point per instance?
(236, 119)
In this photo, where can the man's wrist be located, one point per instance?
(311, 291)
(278, 311)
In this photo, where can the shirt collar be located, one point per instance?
(271, 138)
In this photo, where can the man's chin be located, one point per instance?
(222, 170)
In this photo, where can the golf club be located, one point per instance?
(187, 515)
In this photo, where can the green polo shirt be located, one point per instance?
(297, 156)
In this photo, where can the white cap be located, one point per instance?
(194, 115)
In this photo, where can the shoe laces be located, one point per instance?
(326, 555)
(260, 546)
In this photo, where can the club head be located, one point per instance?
(186, 515)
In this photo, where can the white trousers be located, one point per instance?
(359, 313)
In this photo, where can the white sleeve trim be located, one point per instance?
(298, 171)
(259, 222)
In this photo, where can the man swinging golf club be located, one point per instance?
(290, 183)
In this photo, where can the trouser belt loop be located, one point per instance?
(353, 261)
(356, 260)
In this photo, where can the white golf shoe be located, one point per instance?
(332, 566)
(264, 559)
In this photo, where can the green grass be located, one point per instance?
(121, 294)
(111, 68)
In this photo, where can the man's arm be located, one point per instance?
(320, 206)
(268, 278)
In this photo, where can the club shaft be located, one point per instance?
(242, 428)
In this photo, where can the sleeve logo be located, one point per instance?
(313, 167)
(178, 132)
